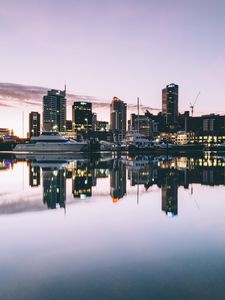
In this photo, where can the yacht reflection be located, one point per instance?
(56, 159)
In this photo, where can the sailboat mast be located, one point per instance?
(23, 123)
(138, 112)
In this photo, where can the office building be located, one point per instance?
(102, 126)
(118, 117)
(54, 111)
(82, 117)
(34, 124)
(170, 105)
(69, 126)
(158, 122)
(206, 129)
(94, 121)
(4, 132)
(142, 123)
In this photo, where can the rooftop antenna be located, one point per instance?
(65, 88)
(193, 105)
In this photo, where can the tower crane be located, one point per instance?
(192, 105)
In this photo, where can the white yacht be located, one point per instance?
(135, 139)
(52, 142)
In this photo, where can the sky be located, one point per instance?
(125, 48)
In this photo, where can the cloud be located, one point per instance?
(2, 104)
(13, 95)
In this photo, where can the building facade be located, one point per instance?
(82, 117)
(94, 121)
(170, 104)
(206, 129)
(34, 124)
(142, 123)
(54, 111)
(102, 126)
(118, 117)
(4, 132)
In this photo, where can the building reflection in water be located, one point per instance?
(166, 173)
(34, 175)
(5, 165)
(54, 187)
(171, 173)
(82, 179)
(82, 183)
(118, 180)
(169, 194)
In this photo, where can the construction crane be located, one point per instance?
(193, 105)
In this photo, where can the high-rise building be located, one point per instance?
(69, 126)
(170, 104)
(54, 111)
(34, 124)
(118, 116)
(82, 117)
(94, 121)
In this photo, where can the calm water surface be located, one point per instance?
(141, 228)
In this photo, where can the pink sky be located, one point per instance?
(115, 48)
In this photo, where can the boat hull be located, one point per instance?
(169, 148)
(51, 147)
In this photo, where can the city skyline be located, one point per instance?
(11, 96)
(112, 149)
(123, 48)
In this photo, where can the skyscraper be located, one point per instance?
(170, 104)
(82, 117)
(118, 116)
(54, 111)
(34, 124)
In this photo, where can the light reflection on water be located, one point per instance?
(147, 227)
